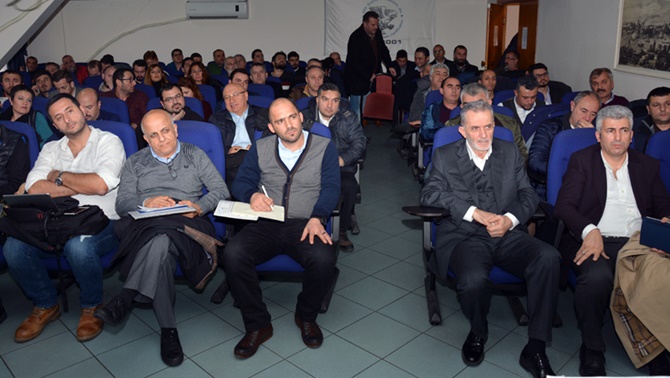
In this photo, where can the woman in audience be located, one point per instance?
(190, 89)
(21, 99)
(156, 78)
(200, 75)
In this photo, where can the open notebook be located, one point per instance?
(242, 210)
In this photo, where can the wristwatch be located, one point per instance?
(59, 181)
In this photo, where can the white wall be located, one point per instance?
(575, 36)
(84, 26)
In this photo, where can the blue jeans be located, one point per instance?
(358, 104)
(83, 255)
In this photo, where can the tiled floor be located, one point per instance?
(377, 325)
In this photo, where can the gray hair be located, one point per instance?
(475, 106)
(438, 65)
(614, 112)
(583, 94)
(474, 89)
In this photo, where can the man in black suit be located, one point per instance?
(366, 51)
(553, 91)
(525, 98)
(404, 68)
(460, 63)
(482, 182)
(607, 189)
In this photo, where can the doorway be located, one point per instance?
(507, 19)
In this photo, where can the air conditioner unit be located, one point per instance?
(217, 9)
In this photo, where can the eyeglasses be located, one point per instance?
(546, 74)
(173, 173)
(177, 97)
(236, 95)
(127, 78)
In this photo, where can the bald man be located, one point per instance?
(89, 103)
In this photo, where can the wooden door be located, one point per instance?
(495, 40)
(527, 33)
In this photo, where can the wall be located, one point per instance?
(272, 25)
(572, 49)
(511, 23)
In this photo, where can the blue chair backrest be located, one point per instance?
(26, 78)
(433, 96)
(93, 82)
(116, 106)
(569, 97)
(659, 148)
(261, 101)
(274, 78)
(539, 115)
(302, 103)
(503, 95)
(29, 132)
(261, 90)
(320, 129)
(450, 134)
(191, 102)
(40, 104)
(6, 105)
(147, 89)
(208, 93)
(564, 144)
(208, 138)
(172, 79)
(124, 131)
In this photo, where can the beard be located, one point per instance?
(280, 66)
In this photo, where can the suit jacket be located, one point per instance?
(557, 90)
(361, 60)
(581, 200)
(257, 119)
(451, 185)
(410, 70)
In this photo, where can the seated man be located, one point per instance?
(299, 170)
(475, 92)
(427, 83)
(602, 82)
(460, 63)
(525, 98)
(658, 106)
(314, 79)
(583, 110)
(14, 161)
(165, 174)
(439, 53)
(435, 115)
(89, 103)
(43, 84)
(217, 66)
(240, 76)
(84, 164)
(238, 124)
(94, 68)
(294, 62)
(31, 64)
(78, 73)
(124, 89)
(347, 134)
(107, 79)
(482, 182)
(62, 81)
(259, 76)
(279, 65)
(10, 79)
(511, 68)
(403, 67)
(229, 66)
(172, 100)
(553, 91)
(240, 61)
(139, 71)
(488, 79)
(607, 189)
(176, 67)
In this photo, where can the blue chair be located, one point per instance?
(302, 103)
(261, 90)
(209, 94)
(6, 105)
(539, 115)
(261, 101)
(147, 89)
(192, 102)
(274, 79)
(31, 138)
(124, 131)
(659, 148)
(26, 78)
(433, 96)
(116, 106)
(569, 97)
(504, 283)
(40, 104)
(93, 82)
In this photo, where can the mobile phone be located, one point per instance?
(75, 211)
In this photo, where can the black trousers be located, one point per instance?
(518, 253)
(259, 242)
(595, 281)
(348, 190)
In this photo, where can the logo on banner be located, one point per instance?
(391, 18)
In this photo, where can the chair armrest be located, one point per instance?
(427, 211)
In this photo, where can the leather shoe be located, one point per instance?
(171, 352)
(473, 350)
(537, 364)
(3, 313)
(89, 326)
(345, 244)
(249, 344)
(114, 312)
(591, 362)
(310, 332)
(35, 323)
(660, 365)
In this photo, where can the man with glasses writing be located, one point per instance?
(238, 124)
(172, 100)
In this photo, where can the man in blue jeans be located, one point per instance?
(85, 164)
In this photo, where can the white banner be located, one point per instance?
(405, 24)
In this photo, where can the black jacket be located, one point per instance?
(362, 62)
(557, 90)
(257, 119)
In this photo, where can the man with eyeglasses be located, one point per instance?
(238, 124)
(124, 89)
(167, 173)
(438, 52)
(172, 100)
(553, 91)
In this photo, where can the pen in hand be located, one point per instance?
(266, 194)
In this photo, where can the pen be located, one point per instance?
(266, 194)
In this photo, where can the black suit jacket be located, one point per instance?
(410, 70)
(581, 200)
(451, 185)
(257, 119)
(557, 90)
(361, 61)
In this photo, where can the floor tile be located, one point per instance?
(404, 275)
(221, 362)
(378, 334)
(368, 237)
(411, 310)
(369, 262)
(348, 276)
(487, 370)
(187, 369)
(139, 358)
(335, 358)
(286, 340)
(428, 357)
(383, 369)
(506, 352)
(390, 225)
(184, 309)
(372, 293)
(455, 328)
(10, 325)
(88, 368)
(203, 332)
(397, 247)
(112, 337)
(282, 369)
(341, 313)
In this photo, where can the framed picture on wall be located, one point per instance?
(643, 43)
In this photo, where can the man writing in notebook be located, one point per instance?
(298, 170)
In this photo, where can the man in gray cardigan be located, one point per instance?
(165, 174)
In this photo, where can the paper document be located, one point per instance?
(241, 210)
(150, 212)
